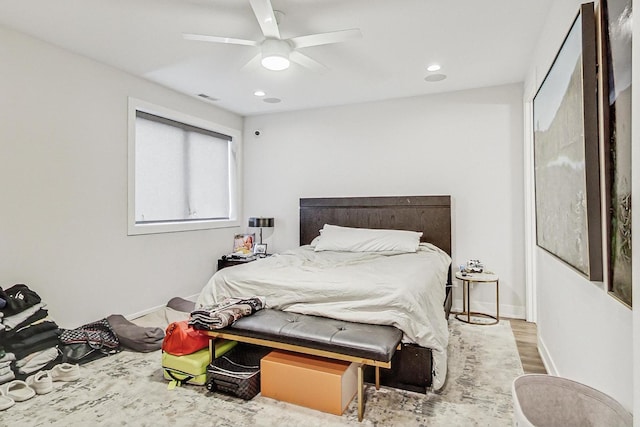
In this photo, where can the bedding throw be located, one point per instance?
(222, 314)
(403, 290)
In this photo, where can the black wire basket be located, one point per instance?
(237, 372)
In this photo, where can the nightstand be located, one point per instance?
(467, 279)
(230, 262)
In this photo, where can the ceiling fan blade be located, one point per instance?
(325, 38)
(266, 18)
(218, 39)
(253, 62)
(307, 62)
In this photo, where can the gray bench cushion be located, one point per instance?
(377, 342)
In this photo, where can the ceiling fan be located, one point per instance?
(275, 52)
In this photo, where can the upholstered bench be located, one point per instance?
(364, 344)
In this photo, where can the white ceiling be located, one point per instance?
(478, 44)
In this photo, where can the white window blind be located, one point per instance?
(182, 172)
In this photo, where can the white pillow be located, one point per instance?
(346, 239)
(315, 241)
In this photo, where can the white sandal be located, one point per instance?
(65, 372)
(17, 390)
(5, 401)
(41, 382)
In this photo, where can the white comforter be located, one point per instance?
(403, 290)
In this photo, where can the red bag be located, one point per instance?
(181, 339)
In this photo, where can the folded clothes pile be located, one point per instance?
(28, 335)
(224, 313)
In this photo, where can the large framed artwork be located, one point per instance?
(615, 57)
(566, 153)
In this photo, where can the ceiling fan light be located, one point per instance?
(275, 54)
(275, 62)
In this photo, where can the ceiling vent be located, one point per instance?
(208, 98)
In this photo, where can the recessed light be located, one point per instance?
(272, 100)
(259, 93)
(433, 67)
(435, 77)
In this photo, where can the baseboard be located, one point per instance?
(158, 307)
(144, 312)
(546, 358)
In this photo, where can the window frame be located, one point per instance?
(234, 172)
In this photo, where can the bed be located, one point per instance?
(405, 290)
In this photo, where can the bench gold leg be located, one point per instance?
(361, 391)
(377, 377)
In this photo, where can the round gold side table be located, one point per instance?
(467, 279)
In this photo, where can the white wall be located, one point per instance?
(63, 168)
(467, 144)
(584, 334)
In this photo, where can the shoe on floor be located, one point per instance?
(5, 401)
(41, 382)
(17, 390)
(65, 372)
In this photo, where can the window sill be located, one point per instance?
(173, 227)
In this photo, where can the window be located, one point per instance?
(182, 172)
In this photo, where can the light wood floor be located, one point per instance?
(526, 335)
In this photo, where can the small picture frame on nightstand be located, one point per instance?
(260, 249)
(243, 244)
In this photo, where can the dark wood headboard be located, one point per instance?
(429, 214)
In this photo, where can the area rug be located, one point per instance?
(127, 389)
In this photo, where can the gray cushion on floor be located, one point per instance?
(181, 304)
(161, 318)
(134, 337)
